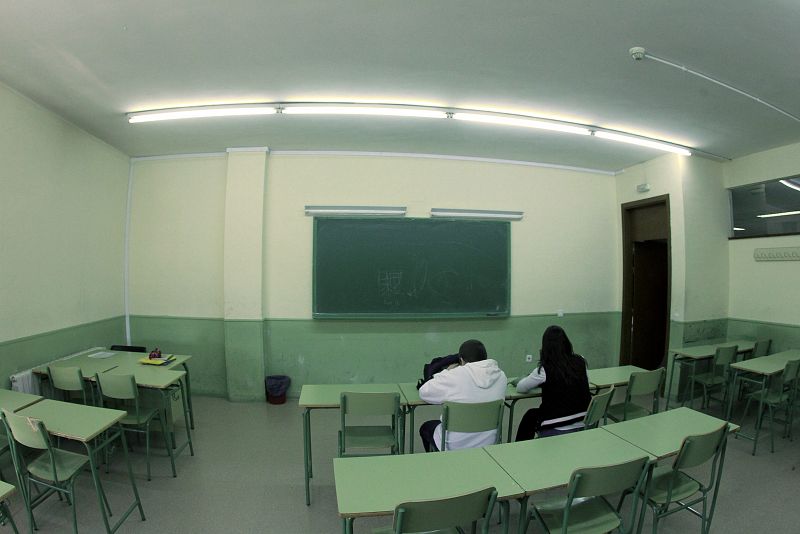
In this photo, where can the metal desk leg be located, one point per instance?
(189, 395)
(505, 515)
(523, 515)
(411, 428)
(733, 392)
(671, 375)
(137, 503)
(510, 406)
(401, 439)
(348, 525)
(307, 452)
(759, 416)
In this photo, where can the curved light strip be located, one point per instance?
(400, 110)
(790, 184)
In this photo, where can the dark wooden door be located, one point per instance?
(649, 310)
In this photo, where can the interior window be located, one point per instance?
(766, 209)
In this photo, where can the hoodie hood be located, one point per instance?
(484, 373)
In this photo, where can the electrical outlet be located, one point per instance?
(560, 313)
(529, 358)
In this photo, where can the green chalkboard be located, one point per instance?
(403, 267)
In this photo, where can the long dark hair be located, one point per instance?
(557, 358)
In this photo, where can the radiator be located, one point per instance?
(25, 382)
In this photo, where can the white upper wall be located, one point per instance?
(763, 291)
(62, 206)
(563, 253)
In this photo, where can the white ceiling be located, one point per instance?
(94, 61)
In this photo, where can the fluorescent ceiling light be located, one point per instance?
(345, 211)
(199, 112)
(642, 142)
(790, 184)
(476, 214)
(735, 229)
(525, 123)
(387, 111)
(782, 214)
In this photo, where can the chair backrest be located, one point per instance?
(440, 514)
(128, 348)
(761, 348)
(66, 378)
(790, 373)
(121, 387)
(27, 431)
(699, 448)
(603, 480)
(471, 417)
(597, 408)
(645, 382)
(369, 404)
(725, 356)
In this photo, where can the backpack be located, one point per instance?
(437, 364)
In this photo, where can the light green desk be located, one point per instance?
(662, 434)
(15, 401)
(85, 360)
(328, 396)
(85, 423)
(692, 355)
(612, 376)
(412, 477)
(541, 464)
(764, 367)
(6, 490)
(164, 381)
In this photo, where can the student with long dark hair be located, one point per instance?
(561, 374)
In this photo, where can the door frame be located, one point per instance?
(627, 278)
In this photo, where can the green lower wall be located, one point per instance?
(345, 351)
(783, 336)
(203, 338)
(24, 353)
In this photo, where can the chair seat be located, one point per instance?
(369, 437)
(144, 415)
(6, 489)
(772, 397)
(683, 487)
(390, 530)
(67, 464)
(617, 411)
(593, 515)
(709, 379)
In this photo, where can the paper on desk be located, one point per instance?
(101, 355)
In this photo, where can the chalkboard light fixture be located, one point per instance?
(495, 215)
(356, 211)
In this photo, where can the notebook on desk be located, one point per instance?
(166, 358)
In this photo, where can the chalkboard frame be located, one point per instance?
(392, 315)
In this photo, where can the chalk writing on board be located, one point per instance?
(389, 283)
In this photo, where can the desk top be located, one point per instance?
(16, 400)
(700, 352)
(73, 421)
(129, 361)
(612, 376)
(768, 365)
(413, 477)
(662, 434)
(89, 366)
(542, 464)
(329, 395)
(149, 376)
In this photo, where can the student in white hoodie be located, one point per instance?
(476, 379)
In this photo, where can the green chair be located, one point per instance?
(586, 510)
(54, 470)
(780, 394)
(69, 380)
(598, 407)
(6, 490)
(368, 437)
(640, 383)
(671, 489)
(471, 417)
(444, 516)
(120, 392)
(718, 375)
(761, 348)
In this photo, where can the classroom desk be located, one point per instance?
(611, 376)
(412, 477)
(85, 423)
(328, 396)
(764, 367)
(692, 355)
(15, 401)
(541, 464)
(662, 434)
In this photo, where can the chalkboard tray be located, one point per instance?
(410, 268)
